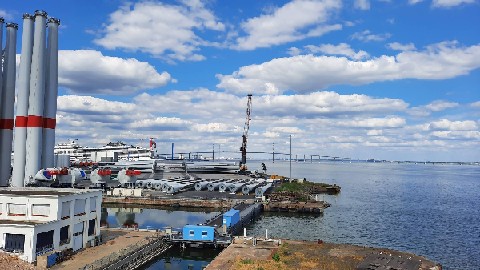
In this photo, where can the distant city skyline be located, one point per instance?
(393, 80)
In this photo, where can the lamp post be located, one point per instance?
(290, 156)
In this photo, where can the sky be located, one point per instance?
(382, 79)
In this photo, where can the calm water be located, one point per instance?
(430, 210)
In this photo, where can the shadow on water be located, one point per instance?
(177, 258)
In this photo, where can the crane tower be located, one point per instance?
(246, 127)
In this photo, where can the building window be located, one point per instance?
(44, 242)
(79, 207)
(42, 210)
(64, 239)
(14, 242)
(17, 209)
(204, 233)
(93, 204)
(91, 227)
(1, 208)
(191, 233)
(66, 210)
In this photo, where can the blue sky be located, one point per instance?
(396, 80)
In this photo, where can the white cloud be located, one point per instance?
(440, 105)
(4, 14)
(367, 36)
(435, 106)
(374, 132)
(90, 72)
(445, 124)
(160, 123)
(173, 36)
(285, 130)
(307, 73)
(194, 119)
(390, 122)
(216, 127)
(413, 2)
(340, 49)
(294, 21)
(475, 104)
(401, 47)
(450, 3)
(91, 105)
(293, 51)
(362, 4)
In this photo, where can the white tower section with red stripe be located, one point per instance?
(33, 160)
(51, 93)
(23, 92)
(7, 102)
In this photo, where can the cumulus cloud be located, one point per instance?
(90, 72)
(440, 105)
(89, 105)
(195, 119)
(174, 37)
(340, 49)
(450, 3)
(390, 122)
(295, 20)
(362, 4)
(445, 124)
(160, 123)
(367, 36)
(401, 47)
(475, 104)
(413, 2)
(435, 106)
(307, 73)
(4, 14)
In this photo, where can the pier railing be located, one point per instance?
(132, 256)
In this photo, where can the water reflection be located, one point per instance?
(157, 218)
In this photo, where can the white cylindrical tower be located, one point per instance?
(23, 92)
(33, 160)
(51, 93)
(7, 101)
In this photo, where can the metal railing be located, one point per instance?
(132, 256)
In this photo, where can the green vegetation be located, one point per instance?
(246, 261)
(276, 257)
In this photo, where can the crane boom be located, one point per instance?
(246, 127)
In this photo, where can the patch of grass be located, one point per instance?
(246, 261)
(276, 257)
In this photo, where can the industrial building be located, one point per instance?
(231, 217)
(34, 221)
(198, 233)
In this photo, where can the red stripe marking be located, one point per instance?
(49, 123)
(35, 121)
(6, 124)
(21, 121)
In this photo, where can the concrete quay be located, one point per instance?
(116, 245)
(278, 254)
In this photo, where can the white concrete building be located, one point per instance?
(36, 220)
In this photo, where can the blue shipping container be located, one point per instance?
(198, 233)
(231, 217)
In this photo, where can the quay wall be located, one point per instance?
(171, 202)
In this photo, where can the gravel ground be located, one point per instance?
(8, 262)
